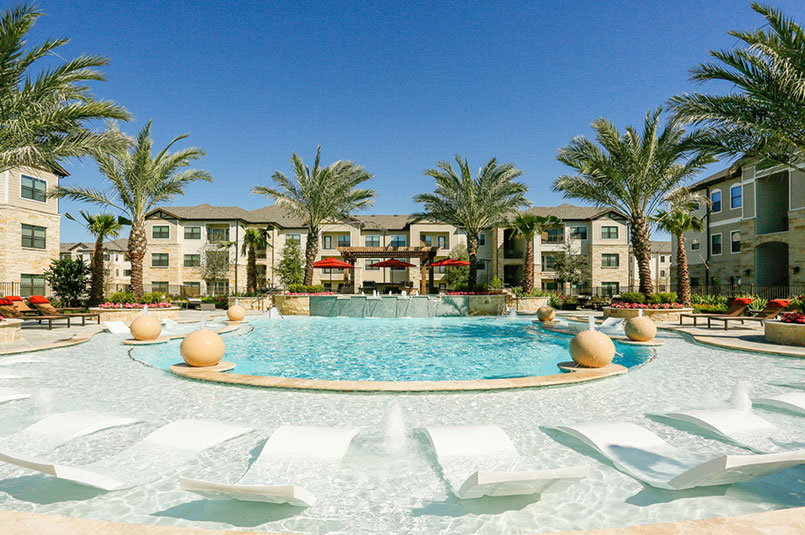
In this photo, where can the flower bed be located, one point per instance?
(657, 306)
(655, 312)
(307, 293)
(472, 293)
(108, 305)
(793, 317)
(128, 311)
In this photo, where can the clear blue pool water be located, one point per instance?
(374, 349)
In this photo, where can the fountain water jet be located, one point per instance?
(43, 403)
(394, 435)
(740, 397)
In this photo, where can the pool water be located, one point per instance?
(421, 349)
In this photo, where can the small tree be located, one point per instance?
(68, 279)
(570, 267)
(215, 264)
(291, 268)
(457, 276)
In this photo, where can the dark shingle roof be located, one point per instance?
(724, 174)
(570, 212)
(660, 246)
(204, 212)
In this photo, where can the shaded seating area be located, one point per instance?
(769, 312)
(47, 310)
(8, 310)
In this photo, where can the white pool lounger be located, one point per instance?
(643, 455)
(164, 450)
(480, 460)
(792, 401)
(310, 449)
(735, 425)
(9, 394)
(116, 327)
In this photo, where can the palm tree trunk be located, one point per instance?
(528, 276)
(137, 245)
(251, 270)
(472, 250)
(682, 273)
(311, 250)
(96, 284)
(641, 245)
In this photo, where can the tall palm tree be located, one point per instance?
(45, 115)
(320, 195)
(632, 173)
(253, 239)
(765, 114)
(678, 220)
(139, 181)
(473, 204)
(101, 226)
(527, 226)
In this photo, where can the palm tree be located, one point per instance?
(253, 239)
(632, 173)
(45, 114)
(139, 182)
(319, 195)
(678, 220)
(765, 116)
(473, 204)
(101, 226)
(527, 226)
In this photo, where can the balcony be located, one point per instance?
(772, 204)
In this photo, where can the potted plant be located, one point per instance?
(570, 303)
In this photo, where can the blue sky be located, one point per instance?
(395, 87)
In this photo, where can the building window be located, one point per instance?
(159, 259)
(217, 234)
(161, 232)
(694, 281)
(715, 244)
(369, 262)
(736, 196)
(328, 242)
(33, 237)
(481, 239)
(550, 285)
(192, 233)
(32, 285)
(548, 262)
(609, 233)
(65, 256)
(295, 238)
(735, 241)
(662, 273)
(343, 241)
(482, 263)
(398, 240)
(610, 288)
(371, 240)
(33, 188)
(127, 273)
(555, 235)
(192, 260)
(715, 201)
(106, 257)
(428, 240)
(159, 286)
(694, 244)
(662, 259)
(442, 242)
(610, 260)
(578, 233)
(191, 289)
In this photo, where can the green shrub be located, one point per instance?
(662, 297)
(633, 297)
(497, 283)
(120, 298)
(797, 304)
(708, 309)
(720, 300)
(555, 301)
(303, 289)
(152, 298)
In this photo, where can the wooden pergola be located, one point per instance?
(425, 254)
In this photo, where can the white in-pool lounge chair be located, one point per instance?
(791, 401)
(9, 394)
(741, 427)
(164, 450)
(480, 460)
(22, 359)
(309, 449)
(5, 374)
(643, 455)
(795, 384)
(116, 327)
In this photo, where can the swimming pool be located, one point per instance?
(375, 349)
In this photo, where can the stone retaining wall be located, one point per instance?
(10, 330)
(787, 334)
(529, 304)
(128, 314)
(293, 305)
(365, 306)
(261, 303)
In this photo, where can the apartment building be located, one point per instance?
(660, 263)
(181, 237)
(755, 228)
(29, 228)
(116, 263)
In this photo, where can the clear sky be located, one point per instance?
(394, 86)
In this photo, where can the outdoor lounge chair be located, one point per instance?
(9, 394)
(18, 303)
(790, 401)
(769, 312)
(641, 454)
(164, 450)
(310, 450)
(741, 427)
(735, 310)
(8, 310)
(43, 306)
(116, 327)
(480, 460)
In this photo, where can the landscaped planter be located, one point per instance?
(261, 303)
(529, 305)
(486, 305)
(787, 334)
(128, 314)
(10, 330)
(293, 305)
(657, 314)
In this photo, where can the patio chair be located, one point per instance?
(43, 306)
(790, 401)
(8, 310)
(164, 450)
(741, 427)
(769, 312)
(18, 303)
(641, 454)
(734, 310)
(480, 460)
(193, 302)
(309, 450)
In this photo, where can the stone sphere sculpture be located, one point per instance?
(202, 348)
(145, 328)
(236, 313)
(640, 329)
(592, 349)
(546, 313)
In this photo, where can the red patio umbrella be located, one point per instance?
(449, 262)
(332, 263)
(391, 263)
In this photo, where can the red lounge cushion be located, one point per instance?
(5, 302)
(38, 300)
(743, 300)
(779, 302)
(14, 298)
